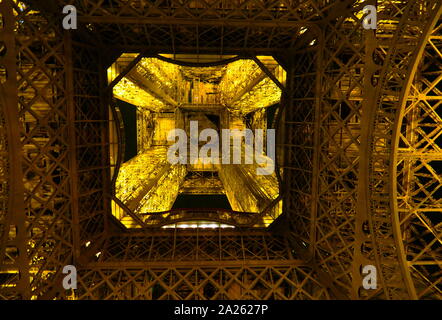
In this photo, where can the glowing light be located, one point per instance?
(128, 91)
(264, 94)
(148, 182)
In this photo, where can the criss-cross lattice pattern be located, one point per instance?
(359, 151)
(219, 264)
(340, 156)
(418, 170)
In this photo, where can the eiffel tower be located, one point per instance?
(86, 115)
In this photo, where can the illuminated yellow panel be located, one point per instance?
(247, 191)
(135, 175)
(200, 58)
(128, 91)
(162, 196)
(237, 76)
(198, 224)
(166, 75)
(120, 65)
(263, 95)
(164, 92)
(246, 88)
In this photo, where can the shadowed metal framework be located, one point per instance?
(360, 126)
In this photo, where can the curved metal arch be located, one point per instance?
(234, 218)
(395, 145)
(15, 210)
(388, 102)
(374, 122)
(197, 64)
(378, 248)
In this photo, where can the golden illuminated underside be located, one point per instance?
(128, 91)
(240, 86)
(169, 96)
(136, 176)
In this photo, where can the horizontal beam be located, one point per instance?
(191, 233)
(216, 49)
(202, 107)
(191, 264)
(168, 20)
(420, 156)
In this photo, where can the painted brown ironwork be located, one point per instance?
(359, 149)
(415, 166)
(218, 264)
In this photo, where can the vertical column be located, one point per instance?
(72, 142)
(15, 228)
(362, 228)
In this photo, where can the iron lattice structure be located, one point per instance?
(360, 125)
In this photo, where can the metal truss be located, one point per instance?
(178, 264)
(230, 217)
(202, 182)
(359, 145)
(55, 129)
(14, 266)
(216, 26)
(416, 167)
(340, 148)
(39, 223)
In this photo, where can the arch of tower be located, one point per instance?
(358, 177)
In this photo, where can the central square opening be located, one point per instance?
(193, 140)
